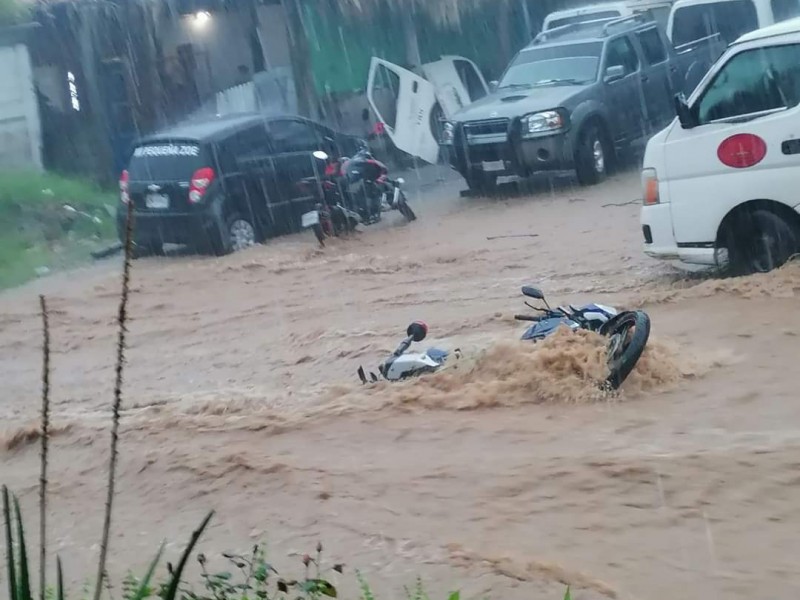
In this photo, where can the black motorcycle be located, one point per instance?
(356, 191)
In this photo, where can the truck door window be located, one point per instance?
(621, 52)
(466, 72)
(730, 19)
(652, 46)
(785, 9)
(752, 82)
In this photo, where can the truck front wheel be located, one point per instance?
(591, 156)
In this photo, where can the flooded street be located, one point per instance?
(508, 480)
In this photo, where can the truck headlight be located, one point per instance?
(448, 133)
(542, 122)
(650, 187)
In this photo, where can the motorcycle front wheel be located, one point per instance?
(319, 233)
(405, 209)
(628, 334)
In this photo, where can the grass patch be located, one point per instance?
(38, 234)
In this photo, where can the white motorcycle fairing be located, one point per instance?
(409, 365)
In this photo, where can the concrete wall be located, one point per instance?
(20, 127)
(221, 45)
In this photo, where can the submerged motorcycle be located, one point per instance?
(355, 191)
(627, 331)
(402, 366)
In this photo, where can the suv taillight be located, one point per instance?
(201, 179)
(123, 188)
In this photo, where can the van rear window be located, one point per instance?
(730, 18)
(164, 161)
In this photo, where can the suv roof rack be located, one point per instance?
(639, 17)
(561, 29)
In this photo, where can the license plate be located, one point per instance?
(310, 218)
(157, 201)
(493, 165)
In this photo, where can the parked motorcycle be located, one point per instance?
(402, 366)
(355, 191)
(627, 331)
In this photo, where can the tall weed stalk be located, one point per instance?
(44, 448)
(122, 329)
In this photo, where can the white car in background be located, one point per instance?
(659, 10)
(692, 20)
(722, 182)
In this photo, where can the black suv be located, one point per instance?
(224, 183)
(575, 98)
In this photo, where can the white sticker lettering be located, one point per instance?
(167, 150)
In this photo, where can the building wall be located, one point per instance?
(20, 128)
(222, 47)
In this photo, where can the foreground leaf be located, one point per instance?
(24, 589)
(567, 595)
(320, 586)
(59, 580)
(172, 590)
(144, 587)
(11, 565)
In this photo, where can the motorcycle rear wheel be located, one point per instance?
(628, 334)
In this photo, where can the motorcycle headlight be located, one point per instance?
(448, 133)
(542, 122)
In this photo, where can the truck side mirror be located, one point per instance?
(613, 73)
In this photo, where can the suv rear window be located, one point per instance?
(165, 161)
(731, 19)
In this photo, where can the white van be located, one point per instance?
(721, 182)
(692, 20)
(659, 9)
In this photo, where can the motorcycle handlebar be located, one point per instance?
(404, 345)
(526, 318)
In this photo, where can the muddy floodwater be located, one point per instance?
(507, 476)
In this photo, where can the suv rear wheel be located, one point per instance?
(237, 233)
(592, 156)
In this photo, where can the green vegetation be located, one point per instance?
(13, 12)
(38, 234)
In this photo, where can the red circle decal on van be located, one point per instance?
(742, 150)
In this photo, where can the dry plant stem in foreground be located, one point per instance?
(122, 318)
(45, 434)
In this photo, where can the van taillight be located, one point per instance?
(123, 188)
(201, 179)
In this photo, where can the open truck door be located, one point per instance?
(457, 81)
(404, 103)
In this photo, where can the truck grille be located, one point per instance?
(489, 127)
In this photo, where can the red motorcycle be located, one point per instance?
(355, 191)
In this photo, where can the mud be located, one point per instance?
(507, 475)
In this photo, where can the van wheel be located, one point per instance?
(760, 241)
(592, 156)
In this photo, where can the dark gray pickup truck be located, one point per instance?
(576, 98)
